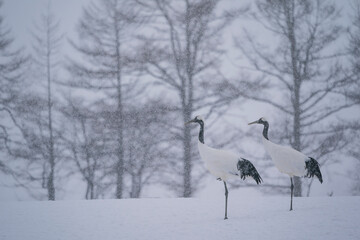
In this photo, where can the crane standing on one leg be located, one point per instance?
(224, 164)
(288, 160)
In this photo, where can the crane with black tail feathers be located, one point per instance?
(224, 164)
(288, 160)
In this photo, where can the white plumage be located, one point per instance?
(220, 163)
(223, 164)
(288, 160)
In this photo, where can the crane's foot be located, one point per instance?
(219, 179)
(225, 218)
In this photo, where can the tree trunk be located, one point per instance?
(90, 190)
(50, 182)
(120, 158)
(290, 20)
(135, 186)
(90, 180)
(187, 157)
(297, 146)
(297, 135)
(187, 108)
(120, 151)
(119, 120)
(50, 185)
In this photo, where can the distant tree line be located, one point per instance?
(113, 113)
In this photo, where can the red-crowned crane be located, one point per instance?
(288, 160)
(224, 164)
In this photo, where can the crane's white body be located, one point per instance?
(286, 159)
(221, 163)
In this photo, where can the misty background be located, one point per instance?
(94, 95)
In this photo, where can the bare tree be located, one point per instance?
(183, 56)
(147, 152)
(301, 77)
(36, 109)
(86, 146)
(47, 42)
(104, 35)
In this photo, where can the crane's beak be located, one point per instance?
(191, 121)
(257, 121)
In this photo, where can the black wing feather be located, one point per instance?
(247, 169)
(312, 168)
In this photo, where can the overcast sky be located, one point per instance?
(20, 16)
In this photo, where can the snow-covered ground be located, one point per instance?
(249, 218)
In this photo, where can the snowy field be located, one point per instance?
(160, 219)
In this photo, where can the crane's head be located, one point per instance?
(260, 121)
(197, 119)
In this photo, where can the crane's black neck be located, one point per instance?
(201, 133)
(266, 129)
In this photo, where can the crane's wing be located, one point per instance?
(247, 169)
(312, 168)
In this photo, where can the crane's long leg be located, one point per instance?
(226, 199)
(292, 190)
